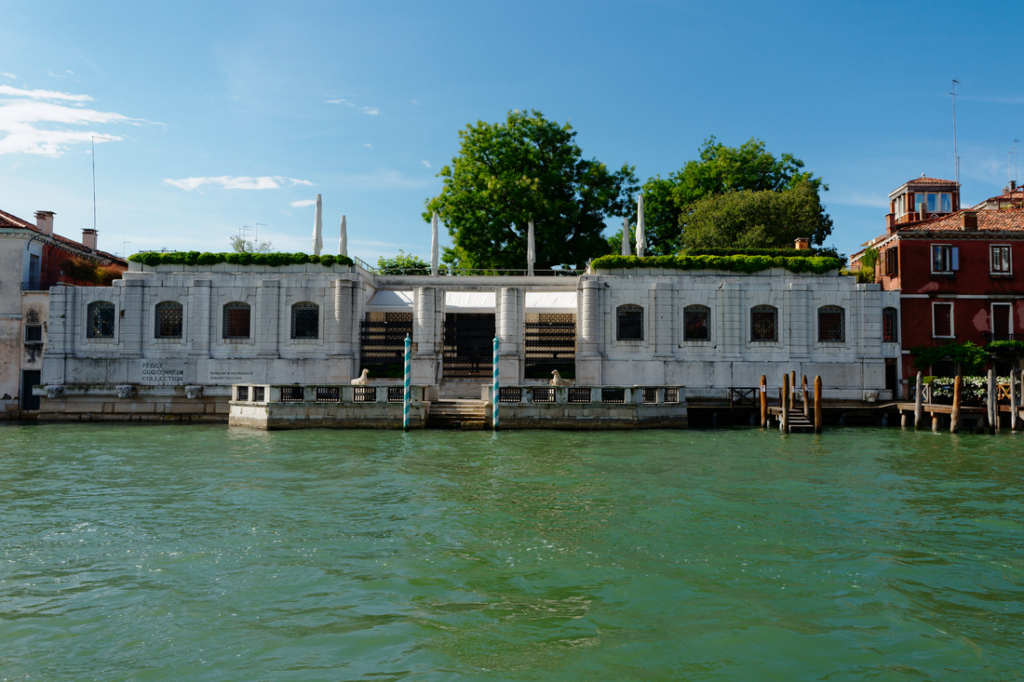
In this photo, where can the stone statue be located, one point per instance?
(193, 392)
(125, 391)
(557, 379)
(362, 379)
(870, 396)
(54, 392)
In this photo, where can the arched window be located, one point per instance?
(629, 323)
(100, 320)
(890, 325)
(305, 321)
(831, 324)
(167, 320)
(236, 321)
(764, 324)
(696, 323)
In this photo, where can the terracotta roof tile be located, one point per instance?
(930, 181)
(8, 220)
(1011, 220)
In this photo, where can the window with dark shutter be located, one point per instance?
(100, 320)
(167, 320)
(305, 321)
(629, 323)
(236, 321)
(831, 324)
(764, 326)
(942, 319)
(890, 329)
(696, 323)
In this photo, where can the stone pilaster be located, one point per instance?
(338, 330)
(801, 327)
(511, 304)
(199, 318)
(664, 320)
(426, 342)
(267, 318)
(590, 332)
(732, 321)
(133, 323)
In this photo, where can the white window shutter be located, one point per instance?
(956, 258)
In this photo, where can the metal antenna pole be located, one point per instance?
(956, 157)
(93, 140)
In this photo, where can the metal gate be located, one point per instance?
(382, 344)
(468, 344)
(551, 344)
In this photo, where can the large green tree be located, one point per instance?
(527, 167)
(719, 171)
(756, 219)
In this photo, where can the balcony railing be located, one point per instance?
(990, 337)
(35, 286)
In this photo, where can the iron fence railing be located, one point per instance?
(990, 337)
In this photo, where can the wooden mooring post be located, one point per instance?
(919, 404)
(807, 413)
(786, 403)
(817, 404)
(792, 389)
(954, 417)
(1014, 402)
(993, 407)
(764, 401)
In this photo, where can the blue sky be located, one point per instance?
(211, 116)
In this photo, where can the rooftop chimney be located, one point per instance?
(802, 244)
(970, 220)
(922, 211)
(1013, 185)
(44, 221)
(89, 238)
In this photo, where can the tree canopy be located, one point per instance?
(739, 176)
(403, 264)
(527, 167)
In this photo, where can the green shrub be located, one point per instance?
(785, 253)
(970, 356)
(747, 264)
(154, 258)
(1006, 349)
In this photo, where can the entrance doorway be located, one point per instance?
(29, 378)
(468, 344)
(891, 378)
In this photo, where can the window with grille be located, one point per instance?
(942, 319)
(613, 395)
(396, 394)
(543, 394)
(236, 320)
(696, 323)
(1000, 260)
(305, 321)
(650, 396)
(100, 320)
(242, 394)
(831, 324)
(510, 394)
(364, 394)
(671, 395)
(579, 395)
(33, 332)
(328, 394)
(764, 327)
(293, 394)
(258, 393)
(629, 323)
(167, 320)
(890, 330)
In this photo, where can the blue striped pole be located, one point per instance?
(494, 398)
(407, 397)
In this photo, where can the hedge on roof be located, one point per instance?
(785, 253)
(747, 264)
(153, 258)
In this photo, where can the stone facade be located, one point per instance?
(172, 327)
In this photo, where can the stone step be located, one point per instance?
(462, 414)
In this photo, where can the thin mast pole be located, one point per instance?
(956, 157)
(93, 140)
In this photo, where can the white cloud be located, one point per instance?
(372, 111)
(340, 101)
(303, 203)
(426, 163)
(8, 76)
(43, 94)
(367, 144)
(414, 102)
(38, 121)
(264, 182)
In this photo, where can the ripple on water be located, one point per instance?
(228, 554)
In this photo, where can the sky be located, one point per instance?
(208, 117)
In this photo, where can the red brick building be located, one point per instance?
(960, 272)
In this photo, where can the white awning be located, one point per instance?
(469, 301)
(385, 301)
(551, 301)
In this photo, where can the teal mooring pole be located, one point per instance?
(407, 396)
(494, 396)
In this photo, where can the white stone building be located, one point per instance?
(170, 341)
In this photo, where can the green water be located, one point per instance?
(208, 553)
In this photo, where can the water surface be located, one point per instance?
(208, 553)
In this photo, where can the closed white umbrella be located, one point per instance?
(343, 239)
(318, 227)
(435, 246)
(626, 251)
(641, 238)
(531, 250)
